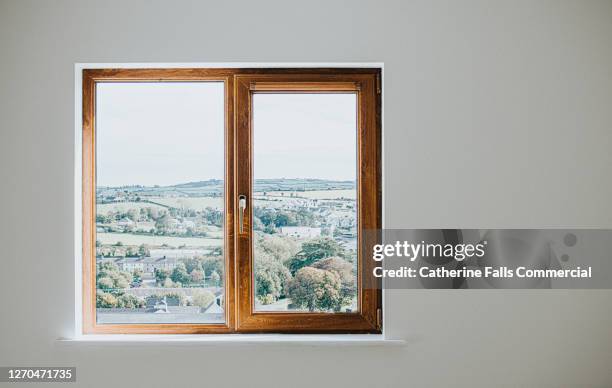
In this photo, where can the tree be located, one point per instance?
(131, 252)
(202, 298)
(105, 300)
(161, 275)
(215, 279)
(123, 281)
(213, 264)
(143, 250)
(193, 264)
(102, 219)
(267, 217)
(110, 278)
(315, 289)
(163, 223)
(168, 283)
(105, 283)
(133, 214)
(196, 276)
(129, 301)
(257, 224)
(344, 270)
(137, 276)
(284, 218)
(271, 277)
(281, 248)
(179, 274)
(313, 251)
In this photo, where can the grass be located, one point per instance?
(105, 208)
(196, 203)
(313, 194)
(135, 239)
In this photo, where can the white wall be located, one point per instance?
(498, 114)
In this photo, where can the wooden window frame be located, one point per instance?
(240, 84)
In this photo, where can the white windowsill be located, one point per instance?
(259, 339)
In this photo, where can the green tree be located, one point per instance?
(257, 224)
(215, 279)
(345, 271)
(179, 274)
(163, 223)
(196, 276)
(284, 218)
(133, 214)
(193, 264)
(315, 289)
(202, 298)
(102, 219)
(143, 250)
(271, 277)
(129, 301)
(213, 264)
(168, 283)
(131, 252)
(106, 283)
(137, 275)
(313, 251)
(105, 300)
(161, 275)
(281, 248)
(110, 278)
(267, 217)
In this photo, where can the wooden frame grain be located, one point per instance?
(239, 84)
(368, 318)
(90, 79)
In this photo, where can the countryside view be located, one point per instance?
(160, 257)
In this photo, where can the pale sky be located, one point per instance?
(305, 136)
(168, 133)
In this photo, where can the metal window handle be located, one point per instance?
(242, 202)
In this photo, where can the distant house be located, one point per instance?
(130, 264)
(300, 231)
(125, 222)
(178, 253)
(150, 264)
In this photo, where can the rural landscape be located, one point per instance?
(160, 258)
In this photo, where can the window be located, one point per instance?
(230, 200)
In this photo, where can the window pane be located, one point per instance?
(159, 202)
(304, 212)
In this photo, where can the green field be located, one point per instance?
(135, 239)
(122, 207)
(196, 203)
(313, 194)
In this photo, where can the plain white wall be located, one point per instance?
(497, 114)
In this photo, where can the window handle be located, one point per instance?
(242, 202)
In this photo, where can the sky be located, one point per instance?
(169, 133)
(305, 136)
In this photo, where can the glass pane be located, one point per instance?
(159, 202)
(304, 212)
